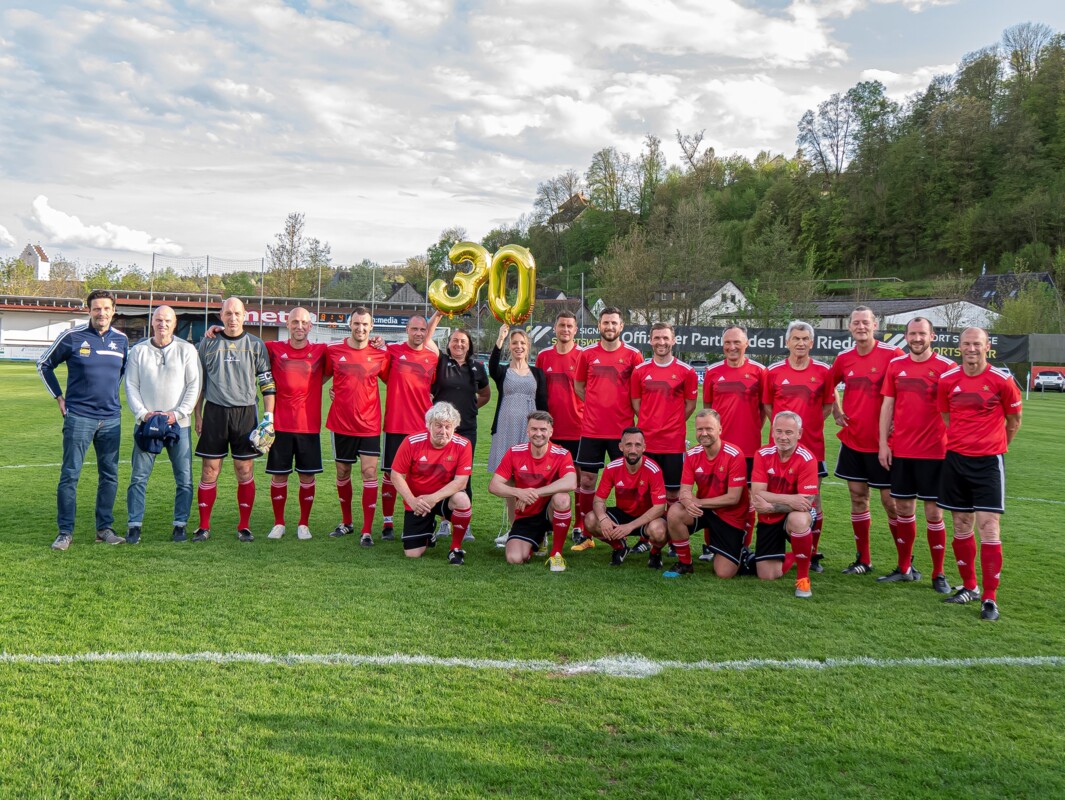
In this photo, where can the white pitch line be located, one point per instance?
(621, 666)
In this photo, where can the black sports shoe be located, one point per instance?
(941, 584)
(133, 536)
(456, 557)
(201, 535)
(964, 595)
(617, 558)
(989, 610)
(244, 535)
(654, 561)
(179, 534)
(578, 536)
(708, 554)
(388, 533)
(678, 570)
(642, 546)
(366, 540)
(896, 576)
(672, 551)
(858, 568)
(815, 563)
(341, 530)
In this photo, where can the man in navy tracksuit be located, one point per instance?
(95, 355)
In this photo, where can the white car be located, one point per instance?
(1052, 381)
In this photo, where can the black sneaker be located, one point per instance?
(643, 546)
(388, 533)
(708, 554)
(617, 558)
(366, 540)
(201, 535)
(341, 530)
(179, 534)
(672, 552)
(654, 561)
(456, 557)
(747, 563)
(815, 563)
(133, 536)
(989, 610)
(858, 568)
(941, 584)
(578, 536)
(898, 576)
(964, 595)
(244, 535)
(678, 570)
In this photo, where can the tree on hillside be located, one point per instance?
(611, 179)
(436, 255)
(650, 171)
(1024, 44)
(62, 279)
(17, 277)
(286, 258)
(826, 138)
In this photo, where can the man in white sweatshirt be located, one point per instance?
(162, 379)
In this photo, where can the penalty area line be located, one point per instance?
(620, 666)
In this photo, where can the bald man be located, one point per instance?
(236, 367)
(162, 381)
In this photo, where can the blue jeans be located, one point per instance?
(180, 453)
(78, 433)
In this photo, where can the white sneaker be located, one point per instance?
(501, 541)
(276, 532)
(443, 531)
(303, 532)
(468, 537)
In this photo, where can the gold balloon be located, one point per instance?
(522, 308)
(468, 283)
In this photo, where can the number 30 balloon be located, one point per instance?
(469, 283)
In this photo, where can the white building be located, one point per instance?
(943, 314)
(35, 257)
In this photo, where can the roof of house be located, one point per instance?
(988, 289)
(842, 308)
(40, 252)
(570, 210)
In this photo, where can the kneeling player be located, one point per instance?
(539, 476)
(783, 490)
(640, 494)
(430, 472)
(718, 470)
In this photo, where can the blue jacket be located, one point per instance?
(95, 365)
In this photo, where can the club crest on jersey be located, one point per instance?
(84, 351)
(112, 346)
(987, 388)
(872, 369)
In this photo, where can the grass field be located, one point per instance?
(597, 682)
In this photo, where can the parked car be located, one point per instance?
(699, 365)
(1052, 381)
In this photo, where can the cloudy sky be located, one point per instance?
(192, 127)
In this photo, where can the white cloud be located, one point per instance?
(900, 85)
(6, 239)
(62, 228)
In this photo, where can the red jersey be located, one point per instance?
(606, 374)
(562, 401)
(736, 394)
(917, 427)
(797, 475)
(409, 382)
(662, 392)
(978, 407)
(862, 378)
(633, 493)
(429, 469)
(806, 392)
(525, 472)
(713, 477)
(298, 374)
(356, 408)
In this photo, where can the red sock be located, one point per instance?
(789, 561)
(306, 501)
(816, 529)
(748, 528)
(937, 545)
(861, 523)
(278, 498)
(369, 505)
(560, 521)
(684, 552)
(245, 502)
(893, 527)
(990, 567)
(205, 497)
(344, 493)
(964, 545)
(656, 549)
(460, 523)
(905, 535)
(802, 546)
(388, 498)
(585, 498)
(617, 544)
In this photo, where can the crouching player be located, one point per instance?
(640, 493)
(718, 471)
(430, 472)
(783, 490)
(539, 476)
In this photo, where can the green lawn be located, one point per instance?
(208, 729)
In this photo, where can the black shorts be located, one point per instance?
(771, 544)
(822, 470)
(972, 483)
(418, 530)
(861, 468)
(532, 529)
(226, 430)
(305, 448)
(349, 449)
(624, 518)
(392, 443)
(915, 477)
(570, 445)
(590, 452)
(725, 540)
(672, 465)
